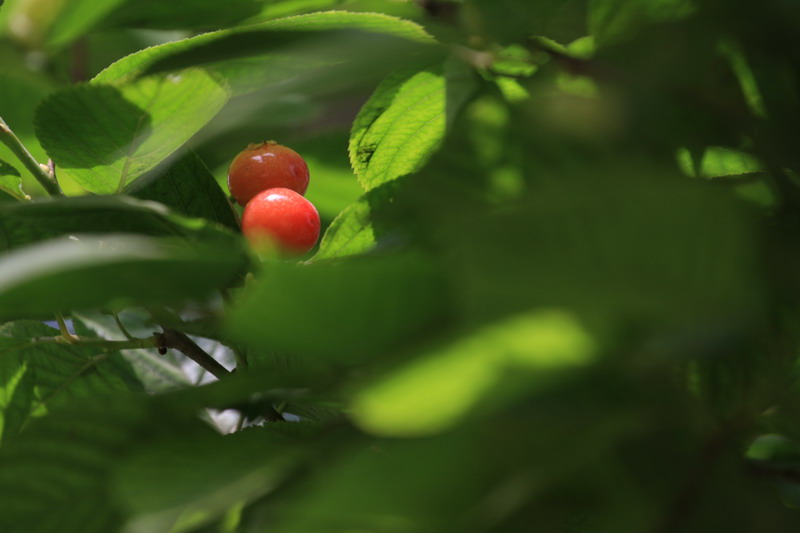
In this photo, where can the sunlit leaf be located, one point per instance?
(717, 161)
(106, 137)
(404, 122)
(442, 387)
(350, 233)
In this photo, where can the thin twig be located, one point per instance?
(148, 342)
(122, 327)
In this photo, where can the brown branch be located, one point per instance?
(181, 342)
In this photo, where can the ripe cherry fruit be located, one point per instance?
(265, 166)
(281, 217)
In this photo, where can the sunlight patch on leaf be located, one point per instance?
(106, 137)
(717, 162)
(437, 391)
(405, 121)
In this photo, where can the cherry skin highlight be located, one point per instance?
(281, 217)
(263, 166)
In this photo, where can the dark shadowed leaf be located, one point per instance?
(31, 222)
(186, 185)
(362, 307)
(39, 374)
(288, 37)
(183, 14)
(53, 477)
(119, 269)
(509, 21)
(615, 19)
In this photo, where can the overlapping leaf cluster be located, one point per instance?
(557, 290)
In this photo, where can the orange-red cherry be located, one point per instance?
(283, 218)
(263, 166)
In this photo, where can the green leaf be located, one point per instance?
(510, 21)
(717, 162)
(611, 20)
(31, 222)
(112, 451)
(352, 493)
(82, 272)
(350, 233)
(187, 186)
(55, 23)
(208, 472)
(7, 170)
(106, 137)
(365, 304)
(443, 387)
(76, 18)
(11, 182)
(56, 473)
(285, 8)
(745, 76)
(404, 122)
(183, 14)
(37, 375)
(18, 99)
(258, 39)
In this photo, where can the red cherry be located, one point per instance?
(282, 217)
(265, 166)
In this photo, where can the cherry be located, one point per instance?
(281, 217)
(265, 166)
